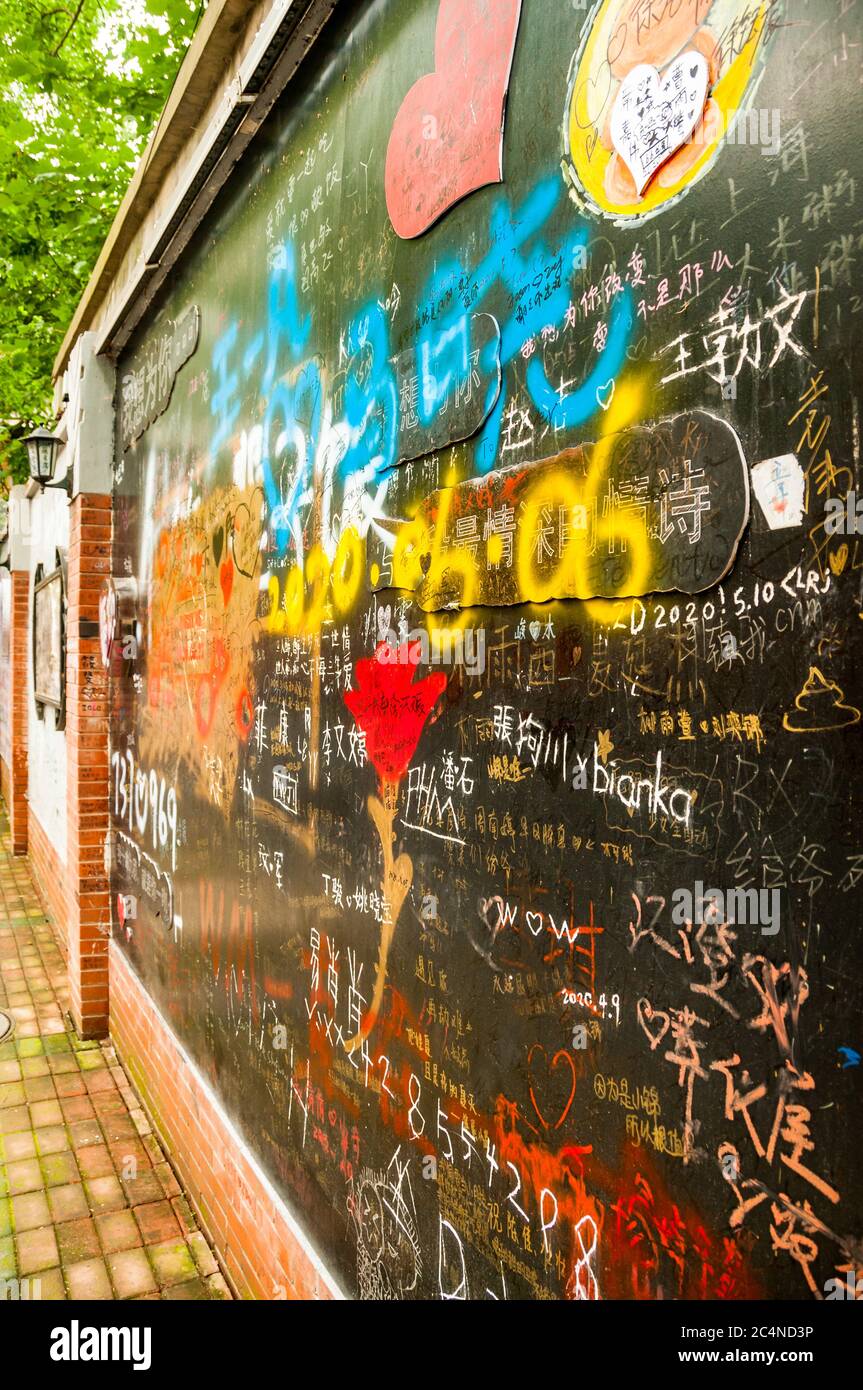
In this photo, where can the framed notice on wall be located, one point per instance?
(49, 640)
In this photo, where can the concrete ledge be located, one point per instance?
(264, 1250)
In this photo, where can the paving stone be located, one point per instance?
(40, 1087)
(142, 1124)
(36, 1250)
(25, 1176)
(89, 1280)
(17, 1146)
(157, 1222)
(108, 1103)
(184, 1214)
(68, 1202)
(92, 1061)
(35, 1067)
(202, 1254)
(168, 1179)
(105, 1194)
(172, 1262)
(30, 1210)
(77, 1241)
(100, 1082)
(94, 1161)
(193, 1288)
(59, 1169)
(12, 1093)
(131, 1273)
(69, 1084)
(118, 1128)
(46, 1112)
(118, 1230)
(8, 1262)
(64, 1064)
(217, 1287)
(52, 1139)
(77, 1108)
(85, 1132)
(14, 1118)
(51, 1286)
(143, 1188)
(154, 1149)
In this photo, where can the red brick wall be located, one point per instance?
(5, 675)
(49, 875)
(263, 1250)
(15, 779)
(88, 910)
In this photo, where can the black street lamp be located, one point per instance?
(42, 450)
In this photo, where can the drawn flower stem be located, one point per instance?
(397, 878)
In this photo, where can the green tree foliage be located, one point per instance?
(81, 88)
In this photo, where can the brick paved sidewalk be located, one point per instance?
(89, 1206)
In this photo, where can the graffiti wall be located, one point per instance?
(484, 636)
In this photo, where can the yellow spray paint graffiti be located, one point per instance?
(646, 508)
(317, 589)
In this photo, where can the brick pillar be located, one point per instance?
(19, 646)
(87, 765)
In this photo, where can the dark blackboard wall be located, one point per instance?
(425, 926)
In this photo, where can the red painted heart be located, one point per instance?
(559, 1098)
(447, 139)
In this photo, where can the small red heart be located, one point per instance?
(447, 138)
(561, 1098)
(226, 579)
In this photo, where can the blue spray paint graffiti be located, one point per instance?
(535, 282)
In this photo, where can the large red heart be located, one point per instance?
(447, 139)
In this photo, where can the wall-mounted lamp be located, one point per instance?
(42, 450)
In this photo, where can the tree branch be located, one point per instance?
(72, 23)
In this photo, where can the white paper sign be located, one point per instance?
(653, 116)
(779, 486)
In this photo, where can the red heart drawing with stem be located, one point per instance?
(563, 1100)
(447, 138)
